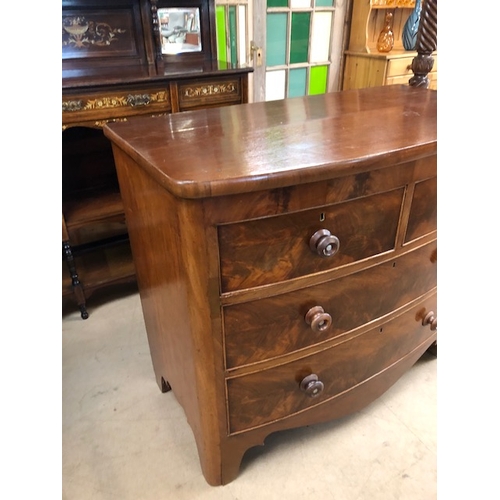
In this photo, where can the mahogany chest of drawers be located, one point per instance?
(286, 257)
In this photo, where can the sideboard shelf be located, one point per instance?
(92, 207)
(122, 80)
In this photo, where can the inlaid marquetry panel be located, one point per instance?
(109, 106)
(208, 93)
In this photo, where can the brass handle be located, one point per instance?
(319, 320)
(430, 319)
(324, 243)
(312, 386)
(138, 100)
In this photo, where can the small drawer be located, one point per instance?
(207, 93)
(274, 326)
(400, 67)
(282, 247)
(423, 213)
(116, 104)
(269, 395)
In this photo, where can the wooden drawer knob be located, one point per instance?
(324, 243)
(312, 386)
(430, 319)
(319, 320)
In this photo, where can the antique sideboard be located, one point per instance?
(119, 62)
(288, 273)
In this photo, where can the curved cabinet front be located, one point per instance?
(271, 327)
(265, 396)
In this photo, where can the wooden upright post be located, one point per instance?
(426, 45)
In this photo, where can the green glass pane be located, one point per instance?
(324, 3)
(277, 3)
(232, 33)
(297, 82)
(299, 43)
(276, 39)
(220, 25)
(317, 80)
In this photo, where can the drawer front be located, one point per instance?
(267, 328)
(275, 249)
(399, 71)
(116, 104)
(403, 80)
(400, 67)
(209, 93)
(423, 213)
(273, 394)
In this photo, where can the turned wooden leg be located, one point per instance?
(75, 282)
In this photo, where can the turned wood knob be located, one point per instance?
(324, 243)
(312, 386)
(319, 320)
(430, 319)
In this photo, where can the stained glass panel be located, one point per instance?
(320, 36)
(277, 3)
(220, 27)
(276, 39)
(299, 43)
(317, 80)
(297, 80)
(275, 85)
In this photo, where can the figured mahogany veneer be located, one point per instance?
(268, 395)
(270, 327)
(286, 257)
(252, 252)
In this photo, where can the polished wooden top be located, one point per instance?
(274, 144)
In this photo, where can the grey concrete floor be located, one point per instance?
(123, 439)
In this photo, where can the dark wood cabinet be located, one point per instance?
(287, 276)
(115, 68)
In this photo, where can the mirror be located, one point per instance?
(180, 30)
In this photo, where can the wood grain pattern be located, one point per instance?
(273, 394)
(267, 328)
(423, 215)
(277, 248)
(235, 359)
(261, 146)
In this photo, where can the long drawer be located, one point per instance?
(210, 93)
(269, 395)
(278, 248)
(267, 328)
(115, 104)
(401, 66)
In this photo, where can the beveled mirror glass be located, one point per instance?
(180, 30)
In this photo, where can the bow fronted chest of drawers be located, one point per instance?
(286, 257)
